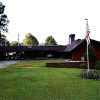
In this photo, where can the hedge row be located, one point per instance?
(64, 64)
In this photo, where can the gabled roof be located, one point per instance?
(59, 48)
(76, 43)
(73, 45)
(95, 43)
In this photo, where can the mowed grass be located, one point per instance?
(31, 80)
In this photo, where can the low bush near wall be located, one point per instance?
(64, 64)
(97, 65)
(84, 65)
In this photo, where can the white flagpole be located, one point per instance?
(88, 67)
(88, 57)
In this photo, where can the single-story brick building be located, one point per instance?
(75, 50)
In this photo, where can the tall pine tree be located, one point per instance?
(3, 21)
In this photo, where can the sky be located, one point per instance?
(58, 18)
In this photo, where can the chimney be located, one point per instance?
(71, 38)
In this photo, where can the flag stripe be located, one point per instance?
(87, 37)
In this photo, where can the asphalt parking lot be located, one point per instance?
(6, 63)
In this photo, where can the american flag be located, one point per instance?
(87, 37)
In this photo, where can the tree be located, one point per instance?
(50, 41)
(4, 41)
(3, 20)
(30, 40)
(14, 43)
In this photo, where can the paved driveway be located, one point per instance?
(6, 62)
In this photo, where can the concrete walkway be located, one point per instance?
(6, 63)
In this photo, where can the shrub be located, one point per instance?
(82, 65)
(64, 64)
(90, 74)
(97, 65)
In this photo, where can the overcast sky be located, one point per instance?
(58, 18)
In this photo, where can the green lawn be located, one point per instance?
(31, 80)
